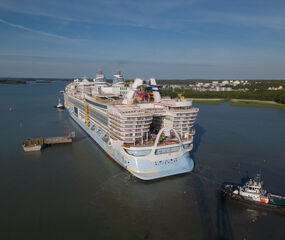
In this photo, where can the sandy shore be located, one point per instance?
(257, 101)
(235, 100)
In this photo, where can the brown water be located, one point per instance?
(77, 192)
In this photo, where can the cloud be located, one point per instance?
(71, 66)
(275, 21)
(31, 30)
(39, 32)
(154, 14)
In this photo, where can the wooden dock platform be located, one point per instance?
(36, 144)
(57, 140)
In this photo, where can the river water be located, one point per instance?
(77, 192)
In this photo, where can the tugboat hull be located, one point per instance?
(227, 192)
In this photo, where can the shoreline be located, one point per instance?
(235, 100)
(239, 102)
(255, 101)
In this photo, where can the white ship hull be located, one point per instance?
(143, 168)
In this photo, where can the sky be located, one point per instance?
(164, 39)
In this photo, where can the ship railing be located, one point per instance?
(125, 121)
(177, 140)
(124, 124)
(128, 128)
(124, 133)
(188, 110)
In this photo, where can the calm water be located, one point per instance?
(77, 192)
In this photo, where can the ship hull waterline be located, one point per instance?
(184, 163)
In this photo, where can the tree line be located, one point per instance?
(264, 95)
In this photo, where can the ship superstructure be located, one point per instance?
(148, 135)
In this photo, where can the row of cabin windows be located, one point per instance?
(132, 134)
(76, 103)
(131, 122)
(139, 118)
(98, 116)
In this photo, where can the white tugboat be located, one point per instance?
(254, 194)
(59, 105)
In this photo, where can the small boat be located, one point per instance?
(61, 91)
(59, 105)
(32, 145)
(253, 193)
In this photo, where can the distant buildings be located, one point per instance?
(275, 88)
(226, 85)
(217, 86)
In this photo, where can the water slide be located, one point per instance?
(156, 94)
(131, 92)
(134, 89)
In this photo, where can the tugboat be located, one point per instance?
(253, 193)
(59, 105)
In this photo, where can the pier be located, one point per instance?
(36, 144)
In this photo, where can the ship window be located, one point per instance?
(129, 139)
(137, 153)
(99, 117)
(162, 151)
(185, 146)
(76, 103)
(175, 149)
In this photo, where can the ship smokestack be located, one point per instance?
(118, 77)
(100, 77)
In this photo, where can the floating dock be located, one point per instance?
(36, 144)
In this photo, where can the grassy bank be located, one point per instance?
(257, 104)
(262, 95)
(239, 102)
(212, 101)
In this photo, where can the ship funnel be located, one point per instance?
(100, 77)
(118, 77)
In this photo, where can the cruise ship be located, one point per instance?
(149, 136)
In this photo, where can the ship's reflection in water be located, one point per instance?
(77, 192)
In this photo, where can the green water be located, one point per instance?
(77, 192)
